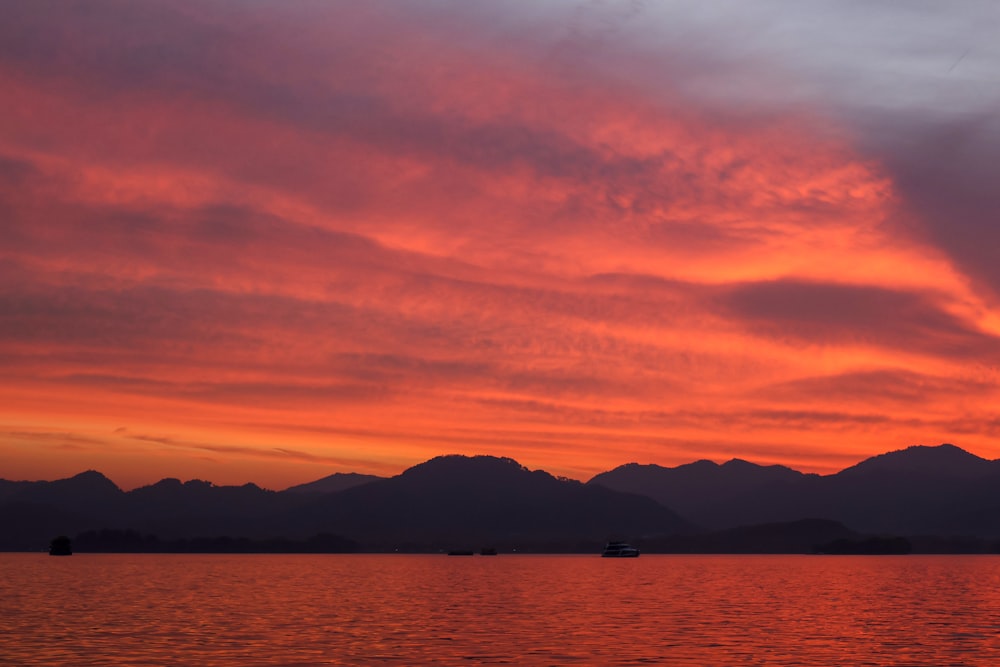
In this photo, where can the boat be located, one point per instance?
(619, 550)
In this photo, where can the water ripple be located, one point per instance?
(554, 610)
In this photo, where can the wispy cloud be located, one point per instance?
(353, 236)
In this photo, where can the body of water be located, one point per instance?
(92, 609)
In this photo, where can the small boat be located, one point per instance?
(619, 550)
(487, 551)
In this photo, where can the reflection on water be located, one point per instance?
(375, 609)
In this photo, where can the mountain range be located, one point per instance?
(465, 502)
(941, 490)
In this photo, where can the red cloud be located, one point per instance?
(363, 240)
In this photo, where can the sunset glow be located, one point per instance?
(271, 241)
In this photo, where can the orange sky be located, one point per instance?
(270, 242)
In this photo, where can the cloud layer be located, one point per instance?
(268, 241)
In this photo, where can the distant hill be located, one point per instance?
(438, 504)
(89, 492)
(940, 498)
(172, 509)
(920, 460)
(338, 481)
(692, 488)
(31, 513)
(471, 501)
(921, 490)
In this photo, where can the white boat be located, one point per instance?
(619, 550)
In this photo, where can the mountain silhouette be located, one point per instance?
(941, 498)
(32, 513)
(437, 504)
(693, 487)
(920, 460)
(452, 500)
(940, 490)
(338, 481)
(89, 492)
(172, 509)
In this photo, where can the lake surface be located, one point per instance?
(92, 609)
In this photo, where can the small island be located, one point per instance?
(61, 546)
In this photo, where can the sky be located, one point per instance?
(250, 240)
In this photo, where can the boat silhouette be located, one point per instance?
(619, 550)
